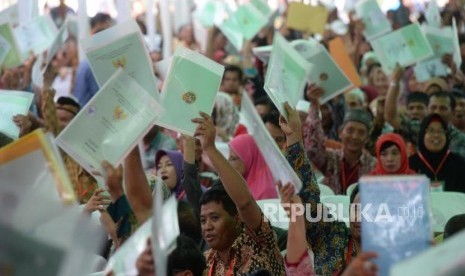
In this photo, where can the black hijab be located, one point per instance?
(434, 158)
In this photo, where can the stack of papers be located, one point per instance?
(275, 160)
(405, 46)
(121, 46)
(13, 103)
(245, 23)
(190, 87)
(286, 75)
(10, 55)
(306, 18)
(111, 124)
(375, 20)
(395, 219)
(36, 35)
(35, 142)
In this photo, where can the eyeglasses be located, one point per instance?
(435, 131)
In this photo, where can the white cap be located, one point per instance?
(303, 106)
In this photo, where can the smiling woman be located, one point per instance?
(435, 160)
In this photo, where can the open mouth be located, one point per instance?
(164, 177)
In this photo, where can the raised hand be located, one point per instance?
(113, 180)
(314, 93)
(97, 202)
(205, 132)
(293, 127)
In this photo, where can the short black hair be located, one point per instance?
(188, 221)
(186, 256)
(263, 100)
(272, 117)
(418, 97)
(445, 94)
(454, 225)
(234, 68)
(99, 18)
(458, 93)
(218, 194)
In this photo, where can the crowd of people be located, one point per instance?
(390, 125)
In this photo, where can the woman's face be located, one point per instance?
(435, 137)
(167, 172)
(236, 162)
(391, 159)
(379, 80)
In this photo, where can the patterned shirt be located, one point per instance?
(251, 251)
(330, 161)
(409, 129)
(328, 240)
(83, 183)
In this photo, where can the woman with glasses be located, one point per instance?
(445, 169)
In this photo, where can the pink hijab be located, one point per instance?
(257, 174)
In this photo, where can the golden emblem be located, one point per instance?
(189, 97)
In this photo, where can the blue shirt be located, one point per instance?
(85, 85)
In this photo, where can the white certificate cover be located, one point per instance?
(121, 46)
(278, 164)
(114, 120)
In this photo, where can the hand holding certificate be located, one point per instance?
(190, 87)
(286, 75)
(110, 124)
(13, 103)
(121, 46)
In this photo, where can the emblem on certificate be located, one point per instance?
(119, 114)
(323, 76)
(119, 62)
(189, 97)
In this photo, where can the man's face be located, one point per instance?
(277, 134)
(416, 111)
(354, 136)
(353, 101)
(64, 117)
(441, 106)
(460, 109)
(218, 227)
(231, 82)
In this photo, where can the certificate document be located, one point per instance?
(376, 22)
(396, 220)
(325, 73)
(36, 35)
(13, 103)
(10, 55)
(275, 160)
(121, 46)
(405, 46)
(190, 87)
(109, 126)
(286, 75)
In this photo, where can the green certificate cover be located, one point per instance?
(325, 73)
(109, 126)
(376, 22)
(405, 46)
(190, 87)
(13, 103)
(121, 46)
(286, 75)
(36, 35)
(10, 55)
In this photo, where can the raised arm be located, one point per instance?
(233, 182)
(191, 181)
(47, 106)
(390, 109)
(137, 187)
(313, 134)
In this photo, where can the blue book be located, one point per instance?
(395, 218)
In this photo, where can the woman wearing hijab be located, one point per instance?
(444, 168)
(246, 158)
(391, 154)
(169, 168)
